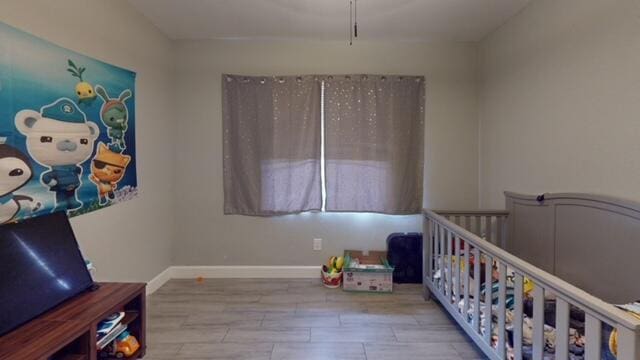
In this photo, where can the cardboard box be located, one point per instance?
(371, 272)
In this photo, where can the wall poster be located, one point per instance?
(67, 130)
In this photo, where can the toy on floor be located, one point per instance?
(332, 272)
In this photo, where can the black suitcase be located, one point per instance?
(404, 252)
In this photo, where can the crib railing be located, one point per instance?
(490, 225)
(449, 245)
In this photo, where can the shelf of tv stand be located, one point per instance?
(74, 357)
(134, 356)
(129, 317)
(68, 331)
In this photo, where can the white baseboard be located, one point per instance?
(246, 272)
(160, 279)
(232, 272)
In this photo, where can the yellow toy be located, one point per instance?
(332, 272)
(528, 286)
(126, 344)
(84, 90)
(335, 263)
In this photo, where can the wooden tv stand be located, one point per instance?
(68, 331)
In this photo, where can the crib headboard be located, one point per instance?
(591, 241)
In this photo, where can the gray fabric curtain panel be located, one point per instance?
(271, 144)
(374, 135)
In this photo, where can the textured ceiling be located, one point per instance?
(398, 20)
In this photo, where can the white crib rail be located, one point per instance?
(441, 235)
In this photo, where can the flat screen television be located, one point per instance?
(40, 267)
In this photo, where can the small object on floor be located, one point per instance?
(200, 280)
(370, 273)
(405, 255)
(330, 279)
(335, 263)
(332, 272)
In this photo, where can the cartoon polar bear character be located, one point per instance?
(60, 138)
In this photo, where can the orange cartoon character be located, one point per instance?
(107, 169)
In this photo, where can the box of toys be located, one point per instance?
(367, 271)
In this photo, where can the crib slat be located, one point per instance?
(538, 322)
(628, 344)
(429, 257)
(465, 276)
(425, 248)
(562, 329)
(477, 227)
(517, 316)
(488, 293)
(593, 329)
(449, 273)
(438, 243)
(487, 229)
(502, 298)
(505, 233)
(426, 225)
(499, 232)
(456, 272)
(441, 253)
(436, 252)
(456, 220)
(476, 289)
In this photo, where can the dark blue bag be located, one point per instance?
(404, 253)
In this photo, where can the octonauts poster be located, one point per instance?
(67, 129)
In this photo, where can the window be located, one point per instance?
(271, 145)
(332, 143)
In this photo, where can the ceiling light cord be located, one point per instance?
(350, 22)
(355, 18)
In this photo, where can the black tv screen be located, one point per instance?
(40, 267)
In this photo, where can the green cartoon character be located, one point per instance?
(114, 115)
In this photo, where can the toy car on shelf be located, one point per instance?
(123, 346)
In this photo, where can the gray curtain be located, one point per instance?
(374, 131)
(271, 144)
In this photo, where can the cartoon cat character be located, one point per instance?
(114, 115)
(59, 137)
(15, 172)
(107, 169)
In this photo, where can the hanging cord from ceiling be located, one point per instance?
(350, 22)
(353, 20)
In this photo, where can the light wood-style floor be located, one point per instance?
(297, 319)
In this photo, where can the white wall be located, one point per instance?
(558, 106)
(130, 241)
(559, 101)
(207, 237)
(179, 139)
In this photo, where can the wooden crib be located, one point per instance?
(583, 250)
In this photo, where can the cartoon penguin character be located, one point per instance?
(15, 172)
(60, 138)
(114, 115)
